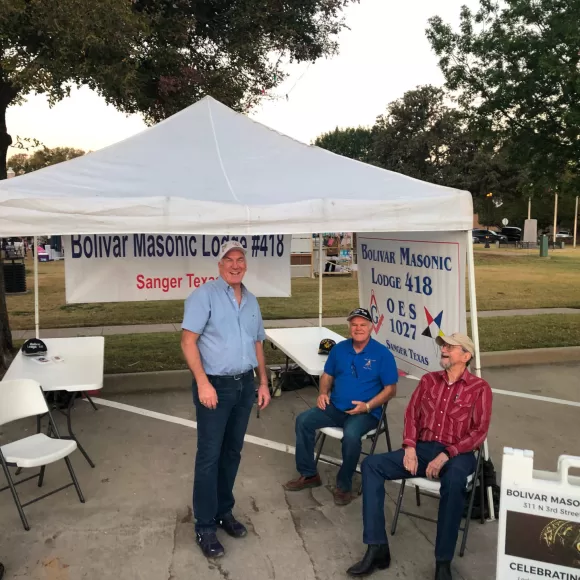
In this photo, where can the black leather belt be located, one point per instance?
(237, 377)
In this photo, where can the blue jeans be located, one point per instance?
(354, 426)
(220, 438)
(388, 466)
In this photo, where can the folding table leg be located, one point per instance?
(70, 431)
(14, 494)
(90, 401)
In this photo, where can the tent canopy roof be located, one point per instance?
(210, 170)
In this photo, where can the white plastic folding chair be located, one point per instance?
(373, 435)
(431, 488)
(20, 399)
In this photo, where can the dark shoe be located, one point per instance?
(443, 571)
(232, 527)
(303, 483)
(377, 556)
(342, 497)
(1, 571)
(209, 544)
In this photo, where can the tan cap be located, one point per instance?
(457, 339)
(229, 246)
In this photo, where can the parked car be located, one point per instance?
(490, 236)
(512, 233)
(564, 234)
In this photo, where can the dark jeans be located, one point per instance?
(354, 426)
(388, 466)
(220, 438)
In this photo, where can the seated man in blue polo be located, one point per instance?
(359, 377)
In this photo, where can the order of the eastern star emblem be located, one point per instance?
(375, 314)
(433, 329)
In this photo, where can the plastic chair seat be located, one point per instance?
(432, 485)
(37, 450)
(337, 432)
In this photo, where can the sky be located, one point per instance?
(383, 53)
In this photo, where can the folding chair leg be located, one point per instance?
(478, 476)
(482, 497)
(398, 508)
(74, 478)
(41, 476)
(388, 436)
(15, 496)
(322, 438)
(418, 495)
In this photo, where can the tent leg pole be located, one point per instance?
(320, 280)
(35, 258)
(475, 337)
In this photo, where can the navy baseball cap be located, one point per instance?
(360, 312)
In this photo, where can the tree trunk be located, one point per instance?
(7, 94)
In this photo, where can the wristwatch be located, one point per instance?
(368, 408)
(445, 452)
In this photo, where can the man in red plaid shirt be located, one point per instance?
(446, 420)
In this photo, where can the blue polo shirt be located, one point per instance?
(360, 376)
(228, 331)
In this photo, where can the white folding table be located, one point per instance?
(80, 370)
(301, 345)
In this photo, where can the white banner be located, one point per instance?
(539, 519)
(136, 267)
(414, 286)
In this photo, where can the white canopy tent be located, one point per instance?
(210, 170)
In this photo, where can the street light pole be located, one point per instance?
(575, 221)
(555, 215)
(530, 207)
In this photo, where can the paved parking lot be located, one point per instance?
(137, 522)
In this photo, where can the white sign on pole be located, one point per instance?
(539, 520)
(136, 267)
(505, 221)
(414, 286)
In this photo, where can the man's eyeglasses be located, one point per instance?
(449, 346)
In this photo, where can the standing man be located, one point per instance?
(222, 344)
(360, 376)
(446, 420)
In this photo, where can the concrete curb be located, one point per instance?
(532, 356)
(127, 383)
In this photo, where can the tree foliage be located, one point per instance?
(422, 135)
(156, 57)
(355, 143)
(22, 163)
(514, 66)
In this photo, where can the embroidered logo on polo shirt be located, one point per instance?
(369, 364)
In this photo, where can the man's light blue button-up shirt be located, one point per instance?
(228, 331)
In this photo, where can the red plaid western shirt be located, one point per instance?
(456, 415)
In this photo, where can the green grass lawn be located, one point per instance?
(161, 351)
(506, 279)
